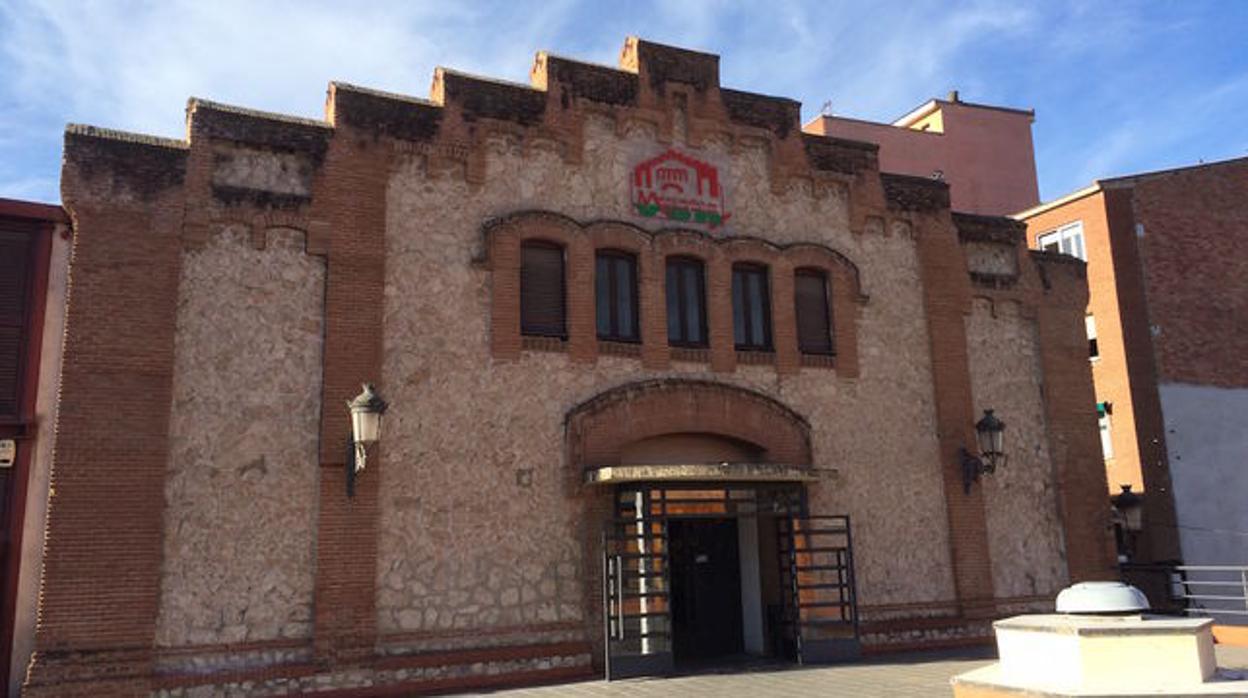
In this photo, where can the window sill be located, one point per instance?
(539, 343)
(819, 361)
(608, 347)
(754, 356)
(698, 355)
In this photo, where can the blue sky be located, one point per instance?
(1118, 87)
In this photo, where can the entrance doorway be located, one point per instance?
(697, 574)
(706, 589)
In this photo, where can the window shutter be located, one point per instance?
(541, 290)
(814, 334)
(14, 281)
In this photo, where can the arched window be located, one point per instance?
(751, 307)
(686, 302)
(615, 295)
(542, 303)
(814, 321)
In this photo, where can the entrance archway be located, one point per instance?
(602, 430)
(709, 550)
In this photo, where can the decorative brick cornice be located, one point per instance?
(237, 124)
(992, 229)
(143, 166)
(914, 194)
(384, 114)
(839, 155)
(651, 84)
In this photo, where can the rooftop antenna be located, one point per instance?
(826, 109)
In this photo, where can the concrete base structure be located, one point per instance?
(1061, 655)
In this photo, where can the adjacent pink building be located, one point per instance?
(984, 152)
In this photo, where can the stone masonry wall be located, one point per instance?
(241, 491)
(478, 526)
(1024, 528)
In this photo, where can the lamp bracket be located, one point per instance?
(972, 467)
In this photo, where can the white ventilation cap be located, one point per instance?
(1101, 597)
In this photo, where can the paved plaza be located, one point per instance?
(925, 674)
(895, 676)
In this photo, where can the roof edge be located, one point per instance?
(1058, 202)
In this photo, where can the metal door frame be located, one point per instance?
(819, 548)
(639, 554)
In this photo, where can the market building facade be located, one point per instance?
(666, 378)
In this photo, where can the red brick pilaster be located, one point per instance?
(1070, 404)
(351, 197)
(719, 313)
(784, 316)
(846, 300)
(103, 551)
(655, 354)
(946, 299)
(505, 339)
(579, 297)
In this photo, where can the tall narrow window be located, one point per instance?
(751, 307)
(810, 298)
(615, 293)
(542, 290)
(686, 302)
(1094, 351)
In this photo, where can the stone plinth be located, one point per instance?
(1063, 655)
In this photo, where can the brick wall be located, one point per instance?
(101, 579)
(1192, 222)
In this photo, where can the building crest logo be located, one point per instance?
(680, 188)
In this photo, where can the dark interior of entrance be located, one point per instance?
(699, 574)
(706, 589)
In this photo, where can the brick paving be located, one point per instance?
(896, 676)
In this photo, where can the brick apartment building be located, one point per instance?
(1168, 329)
(651, 352)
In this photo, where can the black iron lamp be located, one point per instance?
(990, 433)
(366, 411)
(1128, 518)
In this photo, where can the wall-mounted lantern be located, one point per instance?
(366, 411)
(990, 433)
(1131, 506)
(1128, 518)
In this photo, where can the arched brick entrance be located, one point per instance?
(598, 430)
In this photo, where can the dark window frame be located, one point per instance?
(829, 328)
(762, 272)
(683, 262)
(546, 331)
(613, 333)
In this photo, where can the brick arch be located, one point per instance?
(745, 249)
(618, 236)
(808, 255)
(597, 430)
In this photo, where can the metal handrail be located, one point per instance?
(1226, 603)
